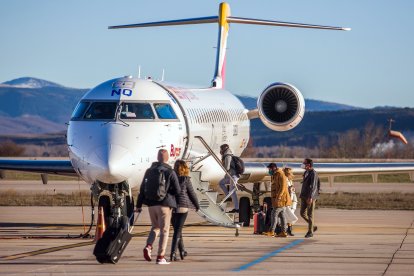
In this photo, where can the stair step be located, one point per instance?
(212, 196)
(204, 185)
(209, 208)
(196, 174)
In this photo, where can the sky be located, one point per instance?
(68, 42)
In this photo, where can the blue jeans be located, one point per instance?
(278, 217)
(226, 180)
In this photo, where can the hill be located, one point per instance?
(28, 82)
(33, 113)
(310, 105)
(317, 125)
(30, 105)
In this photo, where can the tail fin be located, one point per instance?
(220, 70)
(223, 21)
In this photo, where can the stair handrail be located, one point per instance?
(211, 152)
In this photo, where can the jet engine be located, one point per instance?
(281, 106)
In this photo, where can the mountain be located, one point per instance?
(310, 105)
(27, 82)
(29, 105)
(325, 124)
(28, 124)
(34, 106)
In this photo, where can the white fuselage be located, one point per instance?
(120, 148)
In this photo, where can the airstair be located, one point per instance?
(210, 209)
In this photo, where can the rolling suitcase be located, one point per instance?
(259, 223)
(267, 209)
(110, 247)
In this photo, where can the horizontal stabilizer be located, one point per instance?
(242, 20)
(224, 19)
(230, 19)
(187, 21)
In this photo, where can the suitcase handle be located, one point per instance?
(135, 220)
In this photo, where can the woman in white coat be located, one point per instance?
(290, 210)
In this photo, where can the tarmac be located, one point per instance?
(43, 241)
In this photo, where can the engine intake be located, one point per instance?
(281, 106)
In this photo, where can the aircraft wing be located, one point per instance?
(60, 167)
(257, 171)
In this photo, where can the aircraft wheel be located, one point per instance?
(244, 211)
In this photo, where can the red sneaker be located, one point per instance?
(147, 253)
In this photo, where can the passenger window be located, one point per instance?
(80, 110)
(165, 111)
(137, 111)
(101, 110)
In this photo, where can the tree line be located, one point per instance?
(371, 141)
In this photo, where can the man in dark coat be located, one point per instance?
(160, 211)
(308, 195)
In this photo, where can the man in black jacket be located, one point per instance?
(159, 210)
(308, 195)
(227, 161)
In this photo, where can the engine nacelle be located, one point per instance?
(281, 106)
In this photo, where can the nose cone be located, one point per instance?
(111, 164)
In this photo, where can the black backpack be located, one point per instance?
(238, 164)
(155, 184)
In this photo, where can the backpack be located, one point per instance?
(238, 164)
(155, 185)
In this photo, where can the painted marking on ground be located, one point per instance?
(267, 256)
(74, 245)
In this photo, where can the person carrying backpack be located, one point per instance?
(234, 166)
(158, 191)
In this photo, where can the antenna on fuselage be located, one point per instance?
(162, 77)
(139, 71)
(224, 19)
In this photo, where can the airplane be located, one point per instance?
(117, 128)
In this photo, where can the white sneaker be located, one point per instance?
(162, 261)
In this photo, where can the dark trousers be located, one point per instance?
(178, 220)
(306, 212)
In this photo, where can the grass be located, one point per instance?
(15, 175)
(341, 200)
(382, 178)
(367, 201)
(13, 198)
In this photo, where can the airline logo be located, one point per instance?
(122, 88)
(119, 92)
(175, 151)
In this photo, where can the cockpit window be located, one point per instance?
(136, 111)
(101, 110)
(80, 110)
(165, 111)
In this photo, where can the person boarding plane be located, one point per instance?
(118, 126)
